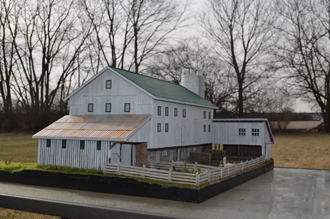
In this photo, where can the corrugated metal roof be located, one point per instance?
(107, 127)
(164, 89)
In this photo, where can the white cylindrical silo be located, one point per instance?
(193, 82)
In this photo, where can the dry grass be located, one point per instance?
(19, 147)
(303, 124)
(302, 151)
(14, 214)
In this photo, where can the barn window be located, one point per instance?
(175, 111)
(108, 107)
(204, 114)
(159, 127)
(48, 143)
(159, 110)
(166, 111)
(90, 107)
(127, 107)
(63, 144)
(209, 115)
(255, 132)
(164, 152)
(98, 145)
(82, 145)
(108, 84)
(184, 113)
(241, 132)
(209, 128)
(204, 128)
(166, 127)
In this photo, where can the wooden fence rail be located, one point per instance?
(163, 171)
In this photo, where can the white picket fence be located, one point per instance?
(157, 171)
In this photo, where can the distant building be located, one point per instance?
(129, 118)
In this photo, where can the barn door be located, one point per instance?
(141, 154)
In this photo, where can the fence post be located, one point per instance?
(170, 175)
(104, 172)
(152, 164)
(228, 171)
(221, 172)
(195, 166)
(172, 165)
(242, 165)
(144, 166)
(197, 179)
(118, 168)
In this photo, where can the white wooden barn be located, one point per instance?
(245, 135)
(132, 119)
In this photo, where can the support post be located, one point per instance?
(118, 168)
(170, 175)
(144, 166)
(195, 166)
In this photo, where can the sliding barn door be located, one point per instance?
(141, 154)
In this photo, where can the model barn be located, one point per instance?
(120, 116)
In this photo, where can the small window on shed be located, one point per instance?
(63, 144)
(204, 128)
(241, 132)
(98, 145)
(204, 114)
(90, 107)
(209, 128)
(166, 127)
(175, 112)
(48, 143)
(255, 132)
(82, 145)
(108, 107)
(127, 107)
(159, 110)
(209, 115)
(159, 127)
(166, 111)
(184, 113)
(108, 84)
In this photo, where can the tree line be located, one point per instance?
(256, 56)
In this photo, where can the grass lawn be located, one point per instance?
(302, 151)
(19, 147)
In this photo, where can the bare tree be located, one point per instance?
(242, 34)
(50, 39)
(193, 54)
(304, 50)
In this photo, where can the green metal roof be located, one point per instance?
(164, 89)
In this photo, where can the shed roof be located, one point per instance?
(156, 88)
(254, 120)
(98, 127)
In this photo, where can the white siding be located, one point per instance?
(228, 133)
(182, 131)
(121, 92)
(72, 155)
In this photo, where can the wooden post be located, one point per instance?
(144, 166)
(118, 168)
(170, 175)
(104, 172)
(209, 175)
(242, 165)
(195, 166)
(152, 164)
(172, 165)
(197, 179)
(221, 172)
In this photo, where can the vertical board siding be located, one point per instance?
(121, 92)
(72, 155)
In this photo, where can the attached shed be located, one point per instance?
(243, 137)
